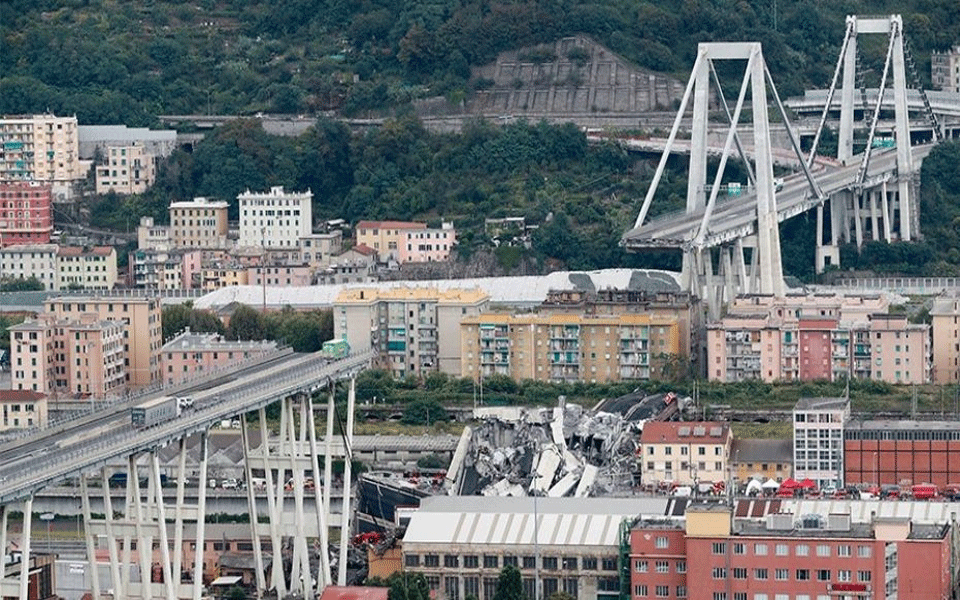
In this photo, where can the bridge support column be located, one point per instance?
(347, 483)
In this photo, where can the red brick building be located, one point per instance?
(902, 452)
(25, 213)
(789, 557)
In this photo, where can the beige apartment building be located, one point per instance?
(214, 277)
(414, 331)
(152, 236)
(945, 317)
(41, 148)
(386, 237)
(142, 335)
(31, 260)
(82, 356)
(686, 453)
(568, 347)
(21, 409)
(816, 337)
(316, 249)
(89, 268)
(130, 169)
(199, 223)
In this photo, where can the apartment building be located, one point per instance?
(199, 223)
(945, 324)
(83, 356)
(142, 336)
(386, 237)
(415, 331)
(356, 265)
(427, 245)
(30, 260)
(885, 452)
(90, 268)
(816, 337)
(25, 216)
(41, 148)
(818, 425)
(152, 236)
(165, 269)
(280, 275)
(275, 219)
(945, 69)
(190, 355)
(681, 306)
(215, 276)
(22, 409)
(686, 453)
(715, 555)
(317, 249)
(129, 169)
(568, 347)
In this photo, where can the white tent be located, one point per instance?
(770, 485)
(754, 487)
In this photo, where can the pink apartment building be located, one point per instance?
(82, 357)
(816, 338)
(190, 355)
(25, 213)
(427, 245)
(280, 275)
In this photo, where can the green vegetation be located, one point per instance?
(509, 584)
(403, 586)
(304, 56)
(19, 284)
(177, 317)
(6, 321)
(304, 331)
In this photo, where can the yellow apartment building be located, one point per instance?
(568, 347)
(198, 223)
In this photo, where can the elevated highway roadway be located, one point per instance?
(54, 456)
(736, 217)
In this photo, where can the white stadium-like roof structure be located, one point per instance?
(491, 520)
(515, 291)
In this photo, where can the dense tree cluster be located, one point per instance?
(240, 57)
(304, 331)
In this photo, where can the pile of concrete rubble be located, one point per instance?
(552, 452)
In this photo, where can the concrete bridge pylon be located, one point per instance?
(717, 278)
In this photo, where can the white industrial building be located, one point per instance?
(461, 543)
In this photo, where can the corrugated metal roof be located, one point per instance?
(866, 511)
(526, 290)
(478, 520)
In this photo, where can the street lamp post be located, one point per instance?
(536, 547)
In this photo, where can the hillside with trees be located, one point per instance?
(108, 61)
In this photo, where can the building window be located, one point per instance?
(570, 563)
(662, 542)
(739, 548)
(609, 564)
(843, 550)
(760, 574)
(491, 561)
(640, 591)
(719, 573)
(823, 550)
(412, 560)
(760, 549)
(864, 551)
(823, 574)
(739, 573)
(663, 591)
(471, 587)
(803, 574)
(844, 575)
(589, 563)
(431, 560)
(451, 587)
(681, 591)
(781, 574)
(510, 560)
(782, 550)
(719, 547)
(681, 566)
(550, 563)
(451, 561)
(803, 550)
(863, 576)
(529, 562)
(663, 566)
(470, 561)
